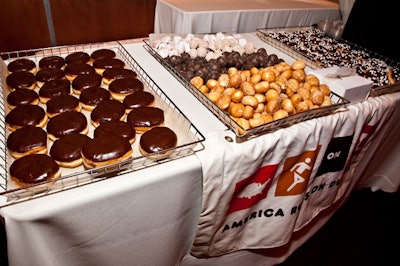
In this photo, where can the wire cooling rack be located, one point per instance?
(189, 138)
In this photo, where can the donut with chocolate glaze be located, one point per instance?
(103, 63)
(47, 74)
(26, 115)
(27, 140)
(52, 62)
(21, 79)
(120, 128)
(157, 141)
(146, 117)
(22, 64)
(138, 99)
(120, 88)
(21, 97)
(66, 151)
(111, 74)
(77, 57)
(102, 53)
(89, 98)
(54, 88)
(105, 150)
(62, 103)
(73, 70)
(33, 169)
(107, 110)
(85, 81)
(67, 123)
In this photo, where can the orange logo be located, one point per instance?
(296, 173)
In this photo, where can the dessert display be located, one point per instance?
(34, 168)
(62, 115)
(254, 90)
(324, 51)
(22, 96)
(67, 150)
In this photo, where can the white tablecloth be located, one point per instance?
(237, 16)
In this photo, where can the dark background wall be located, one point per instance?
(30, 24)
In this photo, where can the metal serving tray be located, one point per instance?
(315, 63)
(189, 138)
(241, 133)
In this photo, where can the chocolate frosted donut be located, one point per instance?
(111, 74)
(120, 128)
(61, 104)
(107, 110)
(52, 62)
(156, 140)
(67, 123)
(106, 150)
(27, 140)
(34, 168)
(89, 98)
(85, 81)
(102, 53)
(22, 64)
(47, 74)
(66, 151)
(21, 97)
(54, 88)
(77, 57)
(138, 99)
(120, 88)
(20, 80)
(145, 118)
(104, 63)
(26, 115)
(73, 70)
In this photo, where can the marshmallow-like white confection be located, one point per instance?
(242, 42)
(193, 53)
(210, 55)
(201, 51)
(166, 39)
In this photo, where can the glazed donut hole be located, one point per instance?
(262, 95)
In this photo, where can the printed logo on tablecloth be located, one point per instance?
(336, 155)
(253, 189)
(296, 173)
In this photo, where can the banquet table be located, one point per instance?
(236, 16)
(190, 211)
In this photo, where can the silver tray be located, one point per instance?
(376, 90)
(241, 133)
(189, 138)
